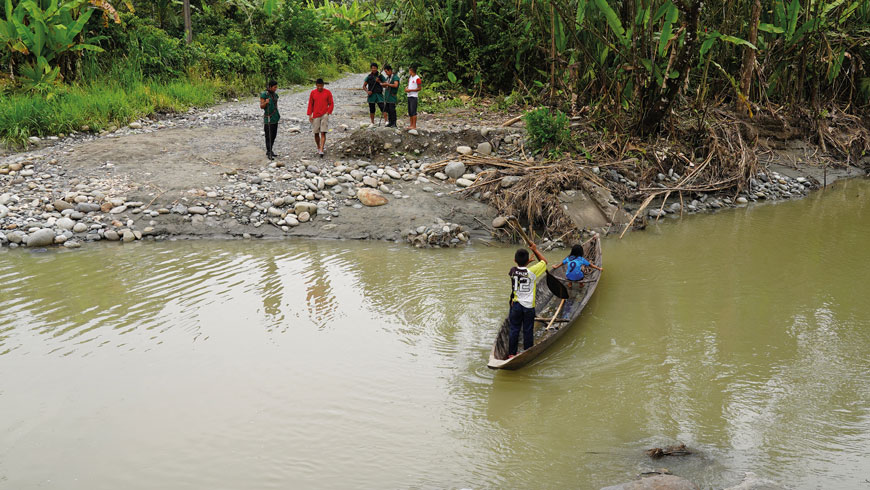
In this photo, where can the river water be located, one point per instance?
(328, 364)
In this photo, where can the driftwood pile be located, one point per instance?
(716, 158)
(677, 450)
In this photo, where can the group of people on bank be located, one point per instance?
(382, 91)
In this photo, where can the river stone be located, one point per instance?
(484, 148)
(305, 207)
(464, 182)
(463, 150)
(80, 228)
(62, 205)
(393, 174)
(87, 207)
(441, 176)
(273, 211)
(118, 209)
(65, 224)
(304, 217)
(128, 236)
(454, 170)
(371, 197)
(40, 238)
(499, 221)
(657, 482)
(370, 181)
(742, 200)
(197, 210)
(111, 235)
(291, 221)
(4, 211)
(72, 244)
(509, 181)
(656, 213)
(135, 125)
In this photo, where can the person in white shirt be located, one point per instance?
(415, 83)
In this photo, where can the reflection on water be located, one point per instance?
(336, 364)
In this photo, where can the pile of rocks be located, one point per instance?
(772, 186)
(78, 207)
(438, 235)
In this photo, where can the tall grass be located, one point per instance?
(117, 94)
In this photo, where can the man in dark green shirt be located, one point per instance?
(269, 104)
(391, 86)
(375, 91)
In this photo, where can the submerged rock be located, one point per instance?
(656, 482)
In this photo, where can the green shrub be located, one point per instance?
(548, 130)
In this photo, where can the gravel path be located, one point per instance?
(205, 174)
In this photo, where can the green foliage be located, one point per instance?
(98, 105)
(622, 55)
(547, 129)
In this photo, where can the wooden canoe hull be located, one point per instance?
(547, 305)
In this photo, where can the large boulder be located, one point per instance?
(41, 238)
(371, 197)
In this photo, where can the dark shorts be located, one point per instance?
(412, 106)
(372, 106)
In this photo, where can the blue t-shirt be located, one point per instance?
(574, 267)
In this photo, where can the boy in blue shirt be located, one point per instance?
(575, 263)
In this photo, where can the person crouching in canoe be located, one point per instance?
(522, 313)
(575, 265)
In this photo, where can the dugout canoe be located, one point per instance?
(546, 308)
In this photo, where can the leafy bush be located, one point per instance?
(547, 130)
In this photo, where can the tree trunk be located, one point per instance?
(749, 61)
(188, 29)
(662, 104)
(552, 52)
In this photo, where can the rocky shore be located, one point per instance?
(204, 174)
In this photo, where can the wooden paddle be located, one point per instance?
(553, 284)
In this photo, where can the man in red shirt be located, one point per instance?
(320, 106)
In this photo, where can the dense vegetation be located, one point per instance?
(628, 63)
(641, 57)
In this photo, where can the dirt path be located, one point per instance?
(205, 173)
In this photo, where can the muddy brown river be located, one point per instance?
(334, 364)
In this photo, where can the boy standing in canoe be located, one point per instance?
(522, 313)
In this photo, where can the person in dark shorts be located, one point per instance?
(372, 86)
(522, 312)
(391, 86)
(415, 83)
(269, 104)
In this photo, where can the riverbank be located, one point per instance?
(203, 174)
